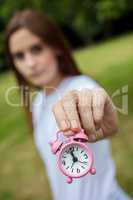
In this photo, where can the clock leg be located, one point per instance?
(93, 170)
(69, 179)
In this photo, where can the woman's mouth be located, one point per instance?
(38, 72)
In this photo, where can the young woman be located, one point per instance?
(66, 100)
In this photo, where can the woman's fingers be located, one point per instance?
(66, 114)
(98, 103)
(60, 116)
(104, 112)
(69, 103)
(85, 100)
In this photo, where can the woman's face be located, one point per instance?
(34, 60)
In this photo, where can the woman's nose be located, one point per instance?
(30, 61)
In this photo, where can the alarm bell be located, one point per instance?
(55, 146)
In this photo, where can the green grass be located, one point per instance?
(22, 174)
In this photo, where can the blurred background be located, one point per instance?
(101, 35)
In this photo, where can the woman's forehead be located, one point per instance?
(22, 39)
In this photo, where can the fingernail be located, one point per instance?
(68, 133)
(75, 130)
(64, 125)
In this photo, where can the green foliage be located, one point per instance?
(108, 9)
(89, 17)
(78, 13)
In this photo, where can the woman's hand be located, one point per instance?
(91, 110)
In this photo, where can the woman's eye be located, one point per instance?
(18, 56)
(36, 49)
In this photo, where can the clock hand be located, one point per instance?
(74, 157)
(82, 162)
(72, 165)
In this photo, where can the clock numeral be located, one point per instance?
(63, 162)
(72, 169)
(67, 167)
(82, 151)
(83, 167)
(67, 151)
(85, 163)
(85, 155)
(71, 148)
(78, 170)
(63, 156)
(77, 148)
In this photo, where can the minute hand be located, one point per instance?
(82, 162)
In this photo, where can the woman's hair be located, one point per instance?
(42, 26)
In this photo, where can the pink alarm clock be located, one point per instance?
(74, 157)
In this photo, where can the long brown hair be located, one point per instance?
(42, 26)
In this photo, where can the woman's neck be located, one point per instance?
(51, 87)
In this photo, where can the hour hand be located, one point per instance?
(71, 152)
(74, 157)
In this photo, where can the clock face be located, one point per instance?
(75, 160)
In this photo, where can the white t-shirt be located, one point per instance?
(102, 185)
